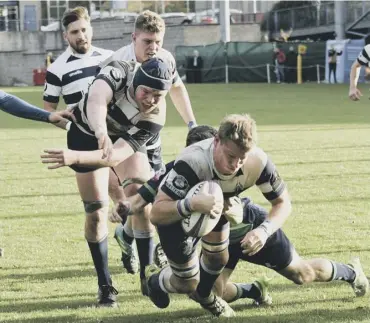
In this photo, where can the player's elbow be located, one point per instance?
(155, 214)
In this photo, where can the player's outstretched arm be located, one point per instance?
(354, 93)
(180, 98)
(22, 109)
(94, 159)
(254, 240)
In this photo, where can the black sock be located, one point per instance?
(206, 282)
(145, 248)
(99, 253)
(127, 238)
(246, 291)
(343, 272)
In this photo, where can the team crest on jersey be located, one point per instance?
(115, 74)
(180, 182)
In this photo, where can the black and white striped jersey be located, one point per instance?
(127, 53)
(195, 164)
(364, 57)
(123, 116)
(71, 74)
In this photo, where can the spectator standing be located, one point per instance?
(279, 61)
(194, 68)
(333, 54)
(291, 64)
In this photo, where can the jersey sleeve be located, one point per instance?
(175, 75)
(269, 182)
(149, 190)
(115, 74)
(183, 176)
(154, 152)
(53, 86)
(141, 133)
(364, 57)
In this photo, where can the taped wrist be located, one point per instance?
(267, 227)
(192, 124)
(184, 208)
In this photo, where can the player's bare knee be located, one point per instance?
(185, 286)
(215, 255)
(96, 226)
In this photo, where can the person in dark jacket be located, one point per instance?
(291, 65)
(333, 54)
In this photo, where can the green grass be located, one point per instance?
(320, 142)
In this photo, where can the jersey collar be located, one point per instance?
(89, 53)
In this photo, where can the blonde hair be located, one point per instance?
(241, 129)
(149, 22)
(73, 15)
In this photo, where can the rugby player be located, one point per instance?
(232, 159)
(15, 106)
(362, 60)
(123, 109)
(147, 41)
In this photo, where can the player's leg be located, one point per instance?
(115, 190)
(302, 271)
(137, 169)
(124, 233)
(182, 274)
(330, 71)
(231, 292)
(213, 259)
(93, 187)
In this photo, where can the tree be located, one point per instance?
(268, 22)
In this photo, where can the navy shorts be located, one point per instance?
(177, 246)
(78, 140)
(276, 254)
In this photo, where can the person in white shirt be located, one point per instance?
(73, 71)
(147, 41)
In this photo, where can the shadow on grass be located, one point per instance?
(43, 215)
(39, 195)
(61, 274)
(192, 316)
(317, 148)
(13, 179)
(336, 161)
(340, 200)
(72, 301)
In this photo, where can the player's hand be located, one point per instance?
(60, 119)
(105, 143)
(207, 203)
(254, 241)
(58, 157)
(354, 94)
(120, 211)
(233, 210)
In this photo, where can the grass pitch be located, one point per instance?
(320, 142)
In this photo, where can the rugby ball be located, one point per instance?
(199, 224)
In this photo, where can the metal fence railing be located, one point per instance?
(315, 15)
